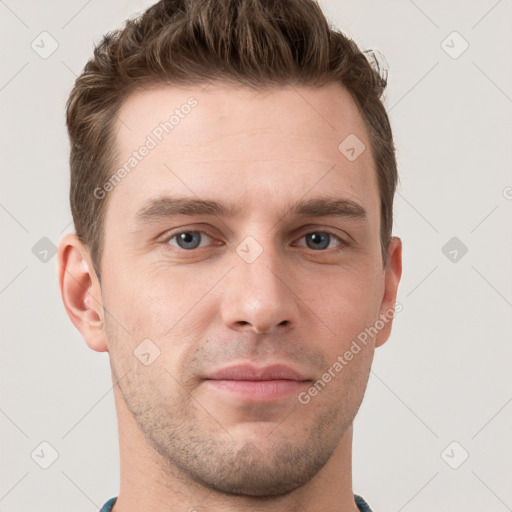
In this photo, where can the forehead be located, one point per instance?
(224, 110)
(238, 143)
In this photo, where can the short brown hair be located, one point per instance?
(256, 43)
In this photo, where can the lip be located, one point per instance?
(257, 384)
(250, 372)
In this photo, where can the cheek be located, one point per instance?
(161, 314)
(346, 301)
(153, 303)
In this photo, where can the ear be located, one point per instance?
(81, 291)
(392, 275)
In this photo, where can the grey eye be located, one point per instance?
(188, 239)
(318, 240)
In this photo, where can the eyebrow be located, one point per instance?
(167, 207)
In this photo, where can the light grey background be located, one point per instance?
(444, 375)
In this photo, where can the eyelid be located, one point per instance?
(173, 234)
(194, 228)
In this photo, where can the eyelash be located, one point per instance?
(168, 238)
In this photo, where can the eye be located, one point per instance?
(319, 240)
(315, 240)
(188, 239)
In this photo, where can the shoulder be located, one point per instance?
(361, 504)
(108, 505)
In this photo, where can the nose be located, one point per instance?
(259, 295)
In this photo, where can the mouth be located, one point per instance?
(251, 383)
(259, 390)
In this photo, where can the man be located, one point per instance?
(232, 182)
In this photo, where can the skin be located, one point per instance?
(186, 446)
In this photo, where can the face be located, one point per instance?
(244, 235)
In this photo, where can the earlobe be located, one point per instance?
(392, 275)
(81, 291)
